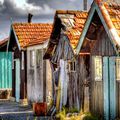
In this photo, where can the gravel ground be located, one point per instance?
(14, 111)
(24, 117)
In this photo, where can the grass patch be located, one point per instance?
(62, 115)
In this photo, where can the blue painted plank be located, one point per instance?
(17, 92)
(2, 69)
(112, 88)
(106, 87)
(9, 69)
(85, 29)
(5, 70)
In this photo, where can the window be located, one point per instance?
(98, 68)
(39, 57)
(118, 69)
(32, 58)
(72, 66)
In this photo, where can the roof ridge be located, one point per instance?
(69, 11)
(106, 1)
(22, 23)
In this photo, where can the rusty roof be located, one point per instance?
(74, 22)
(4, 41)
(30, 34)
(69, 23)
(111, 13)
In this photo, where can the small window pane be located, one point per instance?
(118, 68)
(32, 58)
(98, 68)
(72, 66)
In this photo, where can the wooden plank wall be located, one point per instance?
(35, 77)
(48, 81)
(118, 98)
(5, 70)
(63, 50)
(23, 75)
(96, 94)
(118, 95)
(38, 78)
(102, 47)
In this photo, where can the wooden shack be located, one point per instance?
(100, 43)
(5, 70)
(28, 42)
(67, 69)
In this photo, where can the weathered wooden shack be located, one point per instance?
(28, 42)
(5, 70)
(67, 69)
(100, 43)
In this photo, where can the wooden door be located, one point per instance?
(109, 88)
(17, 80)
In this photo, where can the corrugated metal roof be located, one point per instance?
(29, 34)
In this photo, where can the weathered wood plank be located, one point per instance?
(112, 87)
(106, 88)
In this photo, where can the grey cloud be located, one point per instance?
(60, 4)
(9, 8)
(38, 7)
(43, 11)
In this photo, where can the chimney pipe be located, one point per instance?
(85, 5)
(29, 17)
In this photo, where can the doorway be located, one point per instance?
(109, 87)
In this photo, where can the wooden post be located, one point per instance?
(17, 81)
(44, 80)
(112, 88)
(106, 88)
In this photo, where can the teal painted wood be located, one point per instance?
(9, 70)
(87, 24)
(106, 87)
(112, 88)
(17, 92)
(5, 70)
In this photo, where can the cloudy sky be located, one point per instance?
(43, 11)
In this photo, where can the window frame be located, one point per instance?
(72, 66)
(98, 60)
(32, 59)
(117, 68)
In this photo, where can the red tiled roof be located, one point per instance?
(74, 22)
(111, 14)
(29, 34)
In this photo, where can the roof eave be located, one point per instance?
(86, 26)
(109, 27)
(16, 38)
